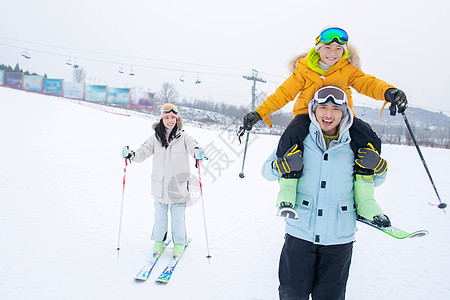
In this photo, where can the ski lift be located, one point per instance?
(121, 70)
(69, 61)
(198, 81)
(182, 77)
(75, 64)
(26, 54)
(131, 72)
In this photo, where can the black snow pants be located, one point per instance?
(308, 269)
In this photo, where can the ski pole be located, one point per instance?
(240, 133)
(203, 209)
(121, 207)
(441, 204)
(241, 175)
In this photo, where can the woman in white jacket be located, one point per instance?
(171, 148)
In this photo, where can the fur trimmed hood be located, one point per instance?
(179, 123)
(353, 58)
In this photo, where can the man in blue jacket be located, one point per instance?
(317, 252)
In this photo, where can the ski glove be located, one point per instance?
(291, 161)
(251, 119)
(127, 153)
(198, 153)
(369, 158)
(397, 97)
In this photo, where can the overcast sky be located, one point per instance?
(402, 42)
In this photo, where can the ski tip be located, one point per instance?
(160, 281)
(417, 234)
(139, 279)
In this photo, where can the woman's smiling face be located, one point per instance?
(169, 121)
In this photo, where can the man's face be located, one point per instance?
(329, 117)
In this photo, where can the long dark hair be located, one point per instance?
(160, 132)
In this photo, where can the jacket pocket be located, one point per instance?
(346, 218)
(157, 184)
(304, 208)
(178, 188)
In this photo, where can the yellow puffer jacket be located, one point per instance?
(304, 82)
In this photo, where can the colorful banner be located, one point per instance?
(74, 90)
(120, 96)
(2, 76)
(32, 83)
(143, 101)
(143, 98)
(95, 93)
(13, 80)
(53, 86)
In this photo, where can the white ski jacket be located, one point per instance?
(171, 170)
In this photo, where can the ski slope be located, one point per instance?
(60, 198)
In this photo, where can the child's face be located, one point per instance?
(331, 53)
(329, 117)
(169, 121)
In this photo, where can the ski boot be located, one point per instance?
(366, 206)
(158, 247)
(287, 197)
(178, 249)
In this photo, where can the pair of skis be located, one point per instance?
(165, 276)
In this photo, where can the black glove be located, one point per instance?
(381, 221)
(127, 153)
(291, 161)
(397, 97)
(251, 119)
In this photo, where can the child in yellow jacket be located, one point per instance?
(331, 62)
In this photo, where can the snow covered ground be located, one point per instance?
(60, 197)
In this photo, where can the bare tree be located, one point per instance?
(168, 93)
(79, 75)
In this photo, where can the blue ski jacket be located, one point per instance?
(325, 197)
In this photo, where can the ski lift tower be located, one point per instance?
(255, 78)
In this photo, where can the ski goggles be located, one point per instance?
(169, 108)
(337, 95)
(333, 34)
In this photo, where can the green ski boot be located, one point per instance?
(158, 247)
(366, 206)
(178, 249)
(287, 197)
